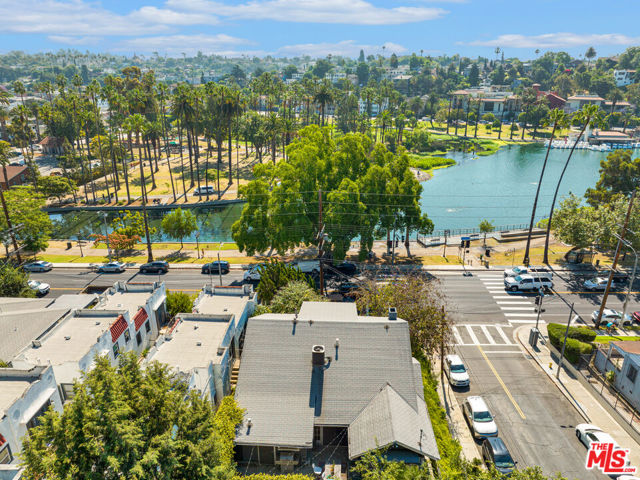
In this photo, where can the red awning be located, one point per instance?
(119, 326)
(140, 318)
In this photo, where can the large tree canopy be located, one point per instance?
(619, 174)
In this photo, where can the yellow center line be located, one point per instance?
(504, 387)
(589, 292)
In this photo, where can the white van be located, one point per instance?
(203, 191)
(307, 266)
(527, 283)
(540, 272)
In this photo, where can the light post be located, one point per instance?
(539, 298)
(106, 235)
(198, 244)
(564, 344)
(633, 275)
(219, 266)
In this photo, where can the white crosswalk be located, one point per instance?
(517, 309)
(482, 335)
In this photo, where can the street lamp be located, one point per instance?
(220, 266)
(198, 244)
(106, 235)
(633, 274)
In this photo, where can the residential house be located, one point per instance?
(15, 175)
(326, 386)
(623, 358)
(25, 395)
(553, 99)
(576, 102)
(496, 100)
(624, 77)
(52, 145)
(619, 107)
(203, 345)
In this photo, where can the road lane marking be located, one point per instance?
(509, 296)
(489, 352)
(457, 336)
(485, 330)
(474, 339)
(523, 314)
(502, 302)
(504, 336)
(504, 387)
(492, 283)
(526, 321)
(529, 308)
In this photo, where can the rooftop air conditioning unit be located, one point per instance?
(36, 344)
(317, 355)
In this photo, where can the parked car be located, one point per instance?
(157, 266)
(597, 283)
(39, 266)
(346, 288)
(495, 452)
(527, 283)
(203, 190)
(588, 433)
(307, 266)
(479, 418)
(253, 274)
(346, 268)
(216, 267)
(39, 287)
(619, 278)
(611, 316)
(541, 272)
(456, 371)
(111, 267)
(635, 317)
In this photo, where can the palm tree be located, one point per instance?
(182, 109)
(589, 115)
(4, 118)
(93, 90)
(162, 91)
(615, 95)
(323, 95)
(5, 150)
(231, 107)
(559, 119)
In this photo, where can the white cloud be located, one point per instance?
(355, 12)
(67, 40)
(557, 40)
(175, 45)
(346, 48)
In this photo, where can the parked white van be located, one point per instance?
(540, 272)
(203, 190)
(527, 283)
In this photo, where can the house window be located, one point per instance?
(488, 107)
(35, 420)
(116, 350)
(127, 335)
(147, 327)
(67, 391)
(632, 373)
(138, 338)
(5, 454)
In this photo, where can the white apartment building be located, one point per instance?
(624, 77)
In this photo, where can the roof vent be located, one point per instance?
(36, 344)
(67, 338)
(195, 326)
(97, 323)
(295, 319)
(393, 313)
(199, 344)
(317, 355)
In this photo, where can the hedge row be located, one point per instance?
(578, 341)
(265, 476)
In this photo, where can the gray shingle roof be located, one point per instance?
(17, 330)
(389, 419)
(285, 398)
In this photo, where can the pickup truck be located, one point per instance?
(527, 283)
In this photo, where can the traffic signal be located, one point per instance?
(467, 243)
(461, 243)
(537, 300)
(487, 252)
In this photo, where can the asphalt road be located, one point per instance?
(74, 280)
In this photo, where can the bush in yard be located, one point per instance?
(577, 341)
(582, 334)
(179, 302)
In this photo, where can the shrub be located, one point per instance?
(582, 334)
(179, 302)
(576, 342)
(429, 162)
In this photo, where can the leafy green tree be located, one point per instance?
(485, 227)
(133, 422)
(13, 282)
(179, 302)
(289, 298)
(179, 224)
(575, 224)
(25, 209)
(590, 54)
(619, 175)
(275, 275)
(56, 187)
(474, 75)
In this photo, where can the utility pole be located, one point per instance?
(564, 344)
(539, 306)
(393, 240)
(615, 259)
(106, 236)
(320, 241)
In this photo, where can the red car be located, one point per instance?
(636, 317)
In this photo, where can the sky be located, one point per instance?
(320, 27)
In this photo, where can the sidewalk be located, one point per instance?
(587, 406)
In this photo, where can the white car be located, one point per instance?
(111, 267)
(39, 266)
(203, 190)
(588, 433)
(610, 316)
(39, 287)
(597, 283)
(253, 274)
(455, 370)
(527, 283)
(479, 418)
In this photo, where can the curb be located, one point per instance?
(173, 266)
(562, 388)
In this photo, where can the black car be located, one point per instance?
(158, 266)
(346, 268)
(216, 267)
(347, 288)
(494, 452)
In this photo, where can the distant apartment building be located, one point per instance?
(487, 99)
(576, 102)
(624, 77)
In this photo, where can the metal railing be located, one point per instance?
(438, 235)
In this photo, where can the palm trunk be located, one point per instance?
(148, 154)
(206, 167)
(218, 163)
(184, 185)
(555, 195)
(166, 146)
(535, 201)
(190, 147)
(449, 113)
(475, 133)
(93, 184)
(6, 215)
(229, 152)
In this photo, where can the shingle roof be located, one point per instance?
(19, 328)
(285, 397)
(388, 419)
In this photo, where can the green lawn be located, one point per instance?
(604, 339)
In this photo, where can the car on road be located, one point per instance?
(216, 267)
(39, 266)
(203, 190)
(588, 433)
(596, 283)
(479, 417)
(495, 452)
(527, 283)
(40, 288)
(308, 266)
(345, 268)
(347, 288)
(541, 272)
(456, 371)
(157, 266)
(610, 316)
(635, 317)
(111, 267)
(253, 274)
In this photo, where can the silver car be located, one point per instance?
(39, 266)
(39, 287)
(111, 267)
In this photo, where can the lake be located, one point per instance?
(498, 187)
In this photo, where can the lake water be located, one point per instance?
(499, 187)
